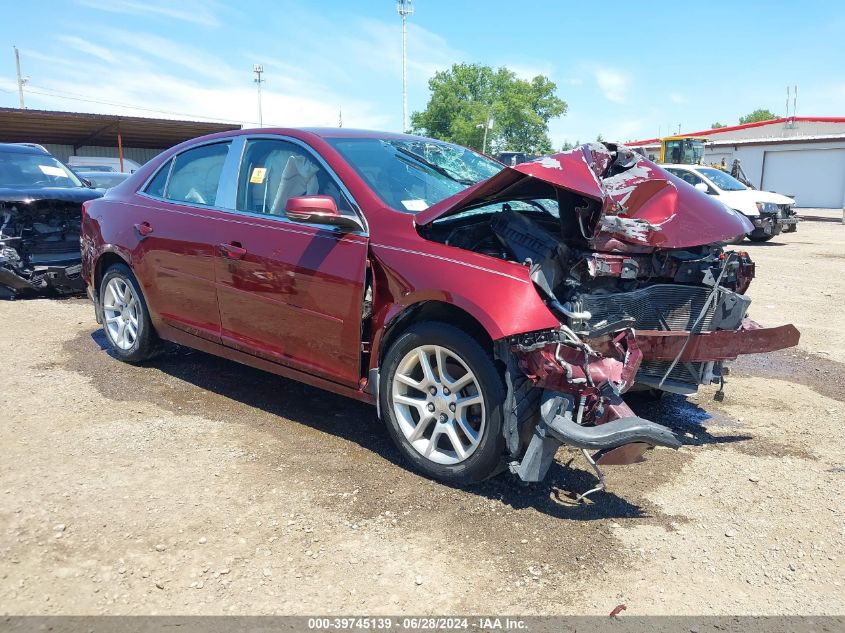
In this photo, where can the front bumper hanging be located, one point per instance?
(581, 403)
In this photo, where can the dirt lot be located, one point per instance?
(195, 485)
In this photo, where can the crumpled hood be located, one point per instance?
(62, 194)
(642, 206)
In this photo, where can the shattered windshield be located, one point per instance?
(409, 174)
(25, 171)
(723, 181)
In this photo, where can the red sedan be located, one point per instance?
(491, 313)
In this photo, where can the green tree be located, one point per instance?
(717, 125)
(760, 114)
(467, 97)
(599, 138)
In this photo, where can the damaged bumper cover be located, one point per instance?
(581, 384)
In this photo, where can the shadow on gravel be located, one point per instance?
(556, 495)
(750, 244)
(689, 420)
(235, 392)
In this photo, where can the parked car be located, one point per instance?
(40, 213)
(103, 180)
(102, 163)
(490, 313)
(769, 212)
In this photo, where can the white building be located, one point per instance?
(802, 157)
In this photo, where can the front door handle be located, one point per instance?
(144, 229)
(232, 250)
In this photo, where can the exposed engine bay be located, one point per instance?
(643, 301)
(39, 245)
(596, 294)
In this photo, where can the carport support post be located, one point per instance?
(119, 146)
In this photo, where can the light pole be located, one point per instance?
(404, 8)
(258, 69)
(487, 125)
(21, 80)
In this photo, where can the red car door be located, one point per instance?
(287, 291)
(176, 239)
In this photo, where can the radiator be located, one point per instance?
(674, 307)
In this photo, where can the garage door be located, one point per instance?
(816, 177)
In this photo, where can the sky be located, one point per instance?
(627, 70)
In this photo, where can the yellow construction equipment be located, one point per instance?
(682, 150)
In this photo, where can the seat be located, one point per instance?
(299, 178)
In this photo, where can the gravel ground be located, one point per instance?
(195, 485)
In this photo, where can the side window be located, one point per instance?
(691, 178)
(157, 184)
(273, 171)
(196, 174)
(688, 176)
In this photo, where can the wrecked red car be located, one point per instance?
(491, 313)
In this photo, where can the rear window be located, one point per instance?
(196, 174)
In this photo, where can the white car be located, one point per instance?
(769, 212)
(102, 163)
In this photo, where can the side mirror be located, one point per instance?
(86, 182)
(702, 186)
(318, 210)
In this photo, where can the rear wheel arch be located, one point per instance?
(104, 262)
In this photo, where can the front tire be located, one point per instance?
(126, 319)
(759, 235)
(441, 397)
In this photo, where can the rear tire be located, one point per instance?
(125, 317)
(441, 397)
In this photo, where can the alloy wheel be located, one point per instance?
(121, 312)
(438, 404)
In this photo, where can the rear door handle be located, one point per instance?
(232, 250)
(144, 229)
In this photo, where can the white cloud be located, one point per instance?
(84, 46)
(158, 77)
(613, 84)
(199, 12)
(676, 97)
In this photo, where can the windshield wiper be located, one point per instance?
(440, 170)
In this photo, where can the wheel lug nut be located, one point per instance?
(446, 391)
(431, 406)
(452, 407)
(432, 391)
(443, 418)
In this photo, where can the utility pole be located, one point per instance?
(487, 125)
(258, 69)
(21, 80)
(404, 8)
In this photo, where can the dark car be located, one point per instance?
(40, 214)
(491, 313)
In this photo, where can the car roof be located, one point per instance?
(320, 132)
(675, 166)
(23, 148)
